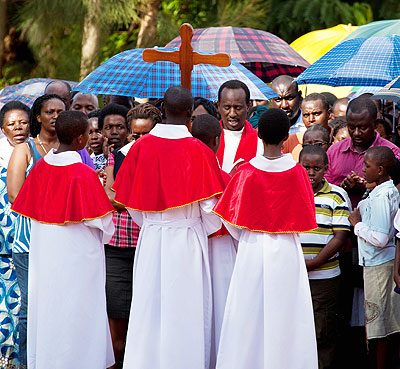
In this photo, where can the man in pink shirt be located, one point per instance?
(346, 157)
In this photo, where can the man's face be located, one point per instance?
(115, 130)
(141, 127)
(233, 108)
(361, 128)
(288, 100)
(339, 110)
(314, 113)
(84, 103)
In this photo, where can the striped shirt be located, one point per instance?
(332, 213)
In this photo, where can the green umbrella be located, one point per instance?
(376, 29)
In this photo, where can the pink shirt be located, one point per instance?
(344, 158)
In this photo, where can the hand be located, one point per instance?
(102, 175)
(310, 265)
(353, 181)
(355, 217)
(107, 148)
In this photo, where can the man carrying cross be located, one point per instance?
(169, 182)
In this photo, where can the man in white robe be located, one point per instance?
(169, 182)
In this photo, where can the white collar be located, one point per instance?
(63, 158)
(171, 131)
(124, 150)
(285, 162)
(233, 133)
(6, 150)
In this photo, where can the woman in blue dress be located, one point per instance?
(15, 127)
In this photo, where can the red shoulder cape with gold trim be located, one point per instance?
(61, 194)
(159, 174)
(247, 148)
(273, 202)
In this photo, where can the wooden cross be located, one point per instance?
(186, 57)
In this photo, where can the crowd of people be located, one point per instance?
(184, 233)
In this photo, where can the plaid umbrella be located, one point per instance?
(27, 91)
(127, 74)
(263, 53)
(390, 92)
(371, 61)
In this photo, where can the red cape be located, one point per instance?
(247, 148)
(160, 174)
(62, 194)
(223, 231)
(273, 202)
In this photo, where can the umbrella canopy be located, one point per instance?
(127, 74)
(265, 54)
(390, 92)
(27, 91)
(313, 45)
(376, 29)
(371, 61)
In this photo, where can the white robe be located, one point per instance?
(67, 317)
(222, 256)
(268, 321)
(171, 312)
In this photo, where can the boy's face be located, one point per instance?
(316, 168)
(372, 171)
(96, 138)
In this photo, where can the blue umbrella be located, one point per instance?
(371, 61)
(127, 74)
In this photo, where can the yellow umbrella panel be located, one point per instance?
(313, 45)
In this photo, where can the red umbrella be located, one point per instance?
(263, 53)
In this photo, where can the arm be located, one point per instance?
(211, 222)
(397, 264)
(109, 170)
(331, 248)
(16, 173)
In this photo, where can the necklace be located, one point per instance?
(41, 144)
(273, 157)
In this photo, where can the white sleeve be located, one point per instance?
(233, 230)
(212, 223)
(375, 238)
(137, 216)
(105, 225)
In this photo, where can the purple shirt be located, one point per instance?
(86, 159)
(344, 158)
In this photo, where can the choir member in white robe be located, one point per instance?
(169, 182)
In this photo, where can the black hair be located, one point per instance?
(314, 150)
(144, 111)
(178, 100)
(94, 114)
(382, 156)
(361, 104)
(386, 126)
(12, 105)
(112, 109)
(318, 97)
(70, 125)
(273, 126)
(321, 129)
(206, 104)
(34, 124)
(126, 101)
(330, 97)
(205, 127)
(337, 125)
(235, 85)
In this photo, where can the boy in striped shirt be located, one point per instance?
(321, 250)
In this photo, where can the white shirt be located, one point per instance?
(298, 126)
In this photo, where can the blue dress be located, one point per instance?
(9, 290)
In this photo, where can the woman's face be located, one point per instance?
(16, 126)
(49, 113)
